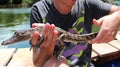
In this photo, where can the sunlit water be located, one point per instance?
(12, 20)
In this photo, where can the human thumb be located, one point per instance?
(97, 22)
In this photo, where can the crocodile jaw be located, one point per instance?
(17, 37)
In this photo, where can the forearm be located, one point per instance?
(115, 11)
(117, 16)
(43, 56)
(47, 47)
(114, 19)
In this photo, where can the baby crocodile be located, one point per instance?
(63, 36)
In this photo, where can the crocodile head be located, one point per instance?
(17, 37)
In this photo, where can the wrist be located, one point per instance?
(44, 55)
(117, 16)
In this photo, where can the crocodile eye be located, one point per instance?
(15, 34)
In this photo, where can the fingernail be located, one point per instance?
(47, 25)
(52, 26)
(35, 34)
(56, 32)
(34, 25)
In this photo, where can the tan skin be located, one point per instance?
(108, 26)
(43, 57)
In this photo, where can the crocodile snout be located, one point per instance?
(4, 43)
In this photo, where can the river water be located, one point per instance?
(11, 20)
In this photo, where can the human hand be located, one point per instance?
(52, 62)
(46, 48)
(108, 28)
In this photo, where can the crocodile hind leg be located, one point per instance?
(61, 47)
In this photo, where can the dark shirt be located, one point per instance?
(78, 21)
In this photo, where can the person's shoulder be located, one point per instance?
(92, 1)
(42, 3)
(82, 1)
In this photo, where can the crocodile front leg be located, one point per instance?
(58, 54)
(39, 43)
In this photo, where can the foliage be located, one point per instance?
(12, 19)
(110, 0)
(11, 1)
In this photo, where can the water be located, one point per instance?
(12, 20)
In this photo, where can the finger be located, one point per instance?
(104, 39)
(107, 38)
(34, 41)
(35, 25)
(46, 29)
(97, 39)
(97, 22)
(50, 35)
(53, 42)
(35, 38)
(46, 34)
(55, 37)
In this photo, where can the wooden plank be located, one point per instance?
(115, 43)
(94, 55)
(106, 58)
(5, 55)
(104, 49)
(22, 57)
